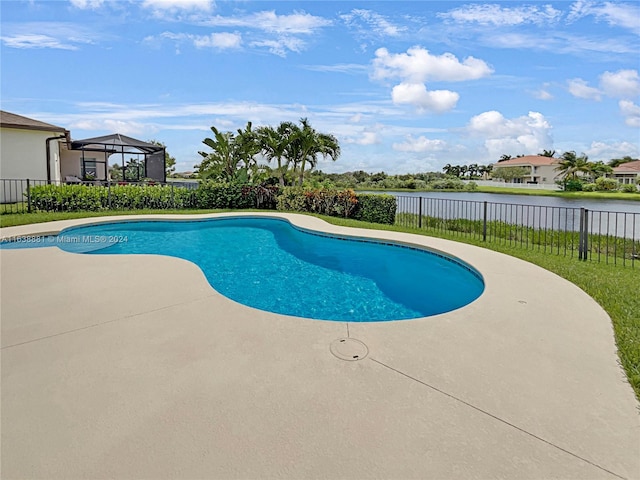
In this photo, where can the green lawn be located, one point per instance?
(615, 288)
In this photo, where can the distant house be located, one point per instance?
(540, 169)
(35, 150)
(627, 172)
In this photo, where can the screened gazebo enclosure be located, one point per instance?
(138, 160)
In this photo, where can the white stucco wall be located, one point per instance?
(23, 154)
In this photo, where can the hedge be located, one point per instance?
(74, 198)
(376, 208)
(209, 195)
(335, 203)
(339, 203)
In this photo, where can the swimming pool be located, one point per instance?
(271, 265)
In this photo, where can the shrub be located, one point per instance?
(604, 184)
(235, 195)
(589, 187)
(73, 198)
(471, 186)
(448, 183)
(573, 185)
(336, 203)
(629, 188)
(376, 208)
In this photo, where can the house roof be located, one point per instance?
(629, 167)
(12, 120)
(535, 160)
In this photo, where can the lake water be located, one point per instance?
(606, 217)
(612, 205)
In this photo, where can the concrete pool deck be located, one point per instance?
(134, 367)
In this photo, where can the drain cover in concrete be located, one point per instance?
(349, 349)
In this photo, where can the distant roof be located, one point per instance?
(536, 160)
(629, 167)
(12, 120)
(116, 142)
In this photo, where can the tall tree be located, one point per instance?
(504, 158)
(307, 144)
(274, 143)
(571, 164)
(616, 162)
(221, 163)
(548, 153)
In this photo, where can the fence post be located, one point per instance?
(420, 212)
(484, 222)
(28, 196)
(583, 237)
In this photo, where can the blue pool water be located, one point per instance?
(271, 265)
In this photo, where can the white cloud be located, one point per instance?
(621, 84)
(420, 145)
(616, 14)
(542, 94)
(607, 151)
(270, 21)
(581, 89)
(87, 4)
(418, 66)
(631, 112)
(416, 94)
(221, 40)
(496, 15)
(36, 41)
(119, 126)
(55, 35)
(167, 9)
(349, 68)
(521, 135)
(368, 23)
(280, 46)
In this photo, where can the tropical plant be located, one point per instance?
(547, 153)
(221, 163)
(616, 162)
(307, 144)
(570, 165)
(274, 143)
(504, 158)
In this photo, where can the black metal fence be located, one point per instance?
(603, 236)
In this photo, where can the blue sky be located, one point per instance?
(404, 86)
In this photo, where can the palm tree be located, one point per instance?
(570, 164)
(246, 146)
(504, 158)
(274, 144)
(307, 144)
(447, 169)
(547, 153)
